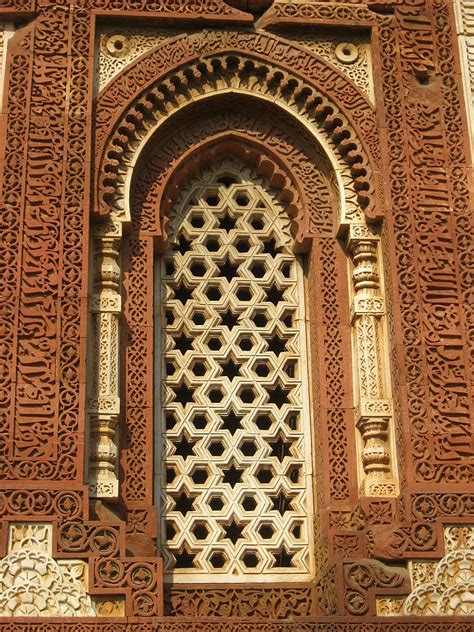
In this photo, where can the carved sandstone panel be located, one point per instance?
(44, 179)
(118, 47)
(443, 588)
(349, 52)
(428, 209)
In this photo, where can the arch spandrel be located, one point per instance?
(176, 51)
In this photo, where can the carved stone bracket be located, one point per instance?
(373, 403)
(104, 400)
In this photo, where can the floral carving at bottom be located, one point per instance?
(443, 588)
(33, 584)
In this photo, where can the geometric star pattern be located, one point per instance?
(231, 505)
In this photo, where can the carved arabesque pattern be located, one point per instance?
(413, 42)
(351, 54)
(46, 418)
(279, 603)
(118, 47)
(138, 284)
(135, 580)
(196, 8)
(363, 575)
(62, 505)
(18, 6)
(33, 584)
(301, 14)
(18, 83)
(442, 588)
(333, 366)
(240, 625)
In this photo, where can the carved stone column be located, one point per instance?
(104, 400)
(372, 393)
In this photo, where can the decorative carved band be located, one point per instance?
(283, 13)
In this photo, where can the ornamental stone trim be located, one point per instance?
(103, 385)
(374, 415)
(117, 48)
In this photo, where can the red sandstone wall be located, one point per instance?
(48, 164)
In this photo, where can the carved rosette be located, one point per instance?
(372, 393)
(104, 400)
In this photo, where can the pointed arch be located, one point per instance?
(317, 95)
(299, 170)
(293, 118)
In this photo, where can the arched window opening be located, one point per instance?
(234, 473)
